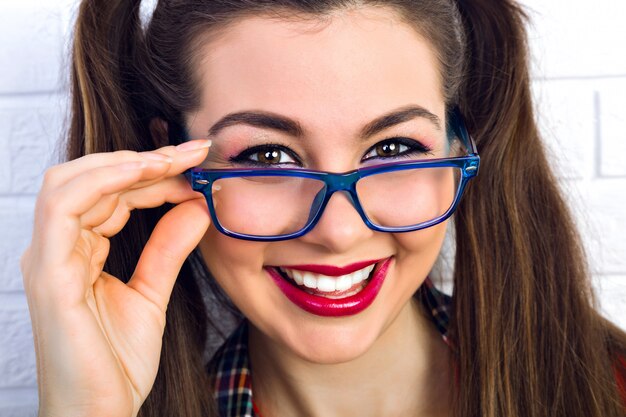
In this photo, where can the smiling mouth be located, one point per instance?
(309, 288)
(333, 287)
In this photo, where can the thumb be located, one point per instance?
(177, 233)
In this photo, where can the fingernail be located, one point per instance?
(194, 145)
(153, 156)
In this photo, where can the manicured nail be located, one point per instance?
(194, 145)
(153, 156)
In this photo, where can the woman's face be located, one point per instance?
(331, 79)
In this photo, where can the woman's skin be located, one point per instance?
(333, 78)
(98, 340)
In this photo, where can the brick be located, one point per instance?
(18, 402)
(33, 141)
(28, 410)
(612, 128)
(577, 39)
(599, 209)
(565, 111)
(32, 59)
(30, 132)
(17, 352)
(606, 204)
(5, 155)
(611, 291)
(16, 223)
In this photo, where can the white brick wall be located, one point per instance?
(580, 85)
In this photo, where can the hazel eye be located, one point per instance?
(265, 155)
(390, 149)
(396, 148)
(271, 157)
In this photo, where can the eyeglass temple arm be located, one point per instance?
(457, 128)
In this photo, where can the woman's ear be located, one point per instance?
(158, 130)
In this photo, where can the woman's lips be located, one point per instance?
(334, 307)
(330, 270)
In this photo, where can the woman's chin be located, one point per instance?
(332, 346)
(333, 357)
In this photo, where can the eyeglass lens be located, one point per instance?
(276, 205)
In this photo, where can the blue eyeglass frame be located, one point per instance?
(202, 180)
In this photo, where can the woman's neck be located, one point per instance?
(405, 373)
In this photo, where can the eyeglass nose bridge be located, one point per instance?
(342, 183)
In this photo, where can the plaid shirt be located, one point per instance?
(230, 367)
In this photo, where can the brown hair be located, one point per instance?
(529, 339)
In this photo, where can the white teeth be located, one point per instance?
(326, 283)
(309, 280)
(297, 276)
(358, 277)
(343, 283)
(362, 275)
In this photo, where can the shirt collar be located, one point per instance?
(229, 368)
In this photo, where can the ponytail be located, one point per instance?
(109, 113)
(530, 341)
(107, 35)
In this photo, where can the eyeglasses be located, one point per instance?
(269, 204)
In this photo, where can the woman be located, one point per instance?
(340, 316)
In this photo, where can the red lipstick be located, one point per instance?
(328, 307)
(332, 271)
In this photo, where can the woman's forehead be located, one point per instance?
(355, 65)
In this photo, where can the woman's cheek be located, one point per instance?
(231, 261)
(420, 248)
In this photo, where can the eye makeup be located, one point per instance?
(245, 146)
(266, 154)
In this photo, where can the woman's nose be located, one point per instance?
(340, 228)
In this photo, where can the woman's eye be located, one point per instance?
(396, 147)
(390, 149)
(265, 155)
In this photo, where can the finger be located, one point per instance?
(134, 200)
(181, 161)
(173, 190)
(181, 156)
(108, 204)
(57, 222)
(172, 240)
(25, 262)
(98, 258)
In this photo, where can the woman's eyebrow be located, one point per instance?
(401, 115)
(268, 120)
(260, 119)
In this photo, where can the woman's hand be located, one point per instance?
(98, 340)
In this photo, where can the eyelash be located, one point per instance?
(413, 146)
(244, 157)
